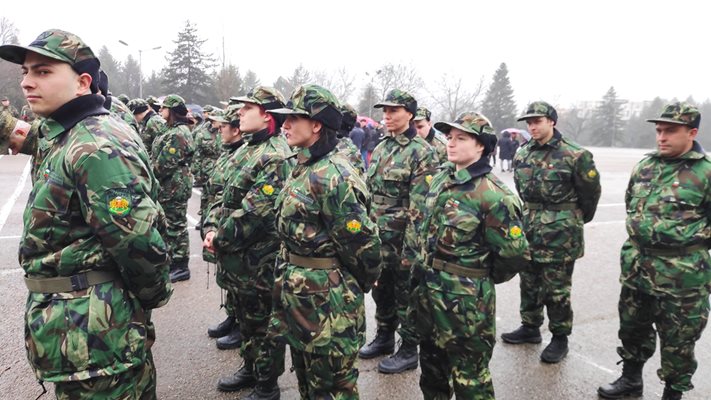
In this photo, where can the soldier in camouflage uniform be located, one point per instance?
(153, 103)
(472, 238)
(26, 114)
(6, 107)
(208, 148)
(91, 246)
(560, 186)
(227, 332)
(330, 252)
(150, 123)
(171, 155)
(117, 108)
(246, 240)
(345, 144)
(435, 139)
(666, 267)
(401, 168)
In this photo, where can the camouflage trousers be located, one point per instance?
(227, 279)
(323, 377)
(547, 285)
(391, 292)
(204, 203)
(253, 311)
(177, 231)
(679, 322)
(135, 384)
(457, 345)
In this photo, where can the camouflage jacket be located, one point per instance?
(215, 185)
(93, 208)
(26, 114)
(9, 109)
(473, 220)
(208, 148)
(171, 155)
(123, 113)
(348, 148)
(401, 168)
(256, 175)
(7, 126)
(439, 143)
(558, 173)
(152, 126)
(322, 212)
(669, 206)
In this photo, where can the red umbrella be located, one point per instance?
(366, 120)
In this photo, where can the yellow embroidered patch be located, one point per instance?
(592, 173)
(428, 179)
(353, 226)
(268, 189)
(119, 206)
(515, 232)
(171, 150)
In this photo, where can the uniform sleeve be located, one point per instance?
(176, 152)
(114, 191)
(587, 184)
(419, 186)
(504, 236)
(247, 224)
(196, 166)
(344, 211)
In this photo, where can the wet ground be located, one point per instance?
(189, 364)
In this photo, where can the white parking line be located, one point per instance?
(192, 220)
(197, 192)
(592, 224)
(7, 208)
(10, 237)
(611, 205)
(593, 363)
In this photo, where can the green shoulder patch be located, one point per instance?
(118, 202)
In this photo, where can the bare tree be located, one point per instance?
(340, 82)
(453, 97)
(8, 32)
(403, 77)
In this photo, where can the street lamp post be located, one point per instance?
(140, 66)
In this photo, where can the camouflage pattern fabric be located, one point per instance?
(171, 156)
(152, 126)
(26, 114)
(247, 243)
(558, 172)
(679, 322)
(325, 377)
(680, 113)
(439, 143)
(7, 126)
(121, 110)
(9, 109)
(93, 207)
(322, 212)
(54, 43)
(348, 148)
(208, 148)
(401, 168)
(135, 384)
(668, 208)
(473, 220)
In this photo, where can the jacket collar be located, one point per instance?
(71, 113)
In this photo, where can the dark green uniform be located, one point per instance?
(208, 148)
(560, 187)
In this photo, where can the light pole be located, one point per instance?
(140, 66)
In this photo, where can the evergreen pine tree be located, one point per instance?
(188, 65)
(608, 128)
(499, 105)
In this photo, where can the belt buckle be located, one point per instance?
(79, 282)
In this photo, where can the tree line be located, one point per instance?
(196, 75)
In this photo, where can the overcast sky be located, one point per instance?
(560, 51)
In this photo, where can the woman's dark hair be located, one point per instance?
(175, 117)
(234, 123)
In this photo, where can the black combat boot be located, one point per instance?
(230, 341)
(242, 379)
(629, 384)
(556, 350)
(384, 343)
(671, 394)
(222, 329)
(179, 272)
(524, 334)
(266, 390)
(405, 359)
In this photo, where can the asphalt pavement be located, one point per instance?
(189, 364)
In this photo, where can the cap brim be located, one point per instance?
(243, 99)
(445, 127)
(527, 116)
(419, 118)
(668, 121)
(218, 119)
(16, 54)
(387, 104)
(288, 111)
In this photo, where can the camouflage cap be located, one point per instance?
(265, 96)
(171, 101)
(350, 116)
(399, 98)
(152, 100)
(469, 122)
(4, 98)
(423, 113)
(137, 106)
(680, 113)
(54, 43)
(208, 108)
(228, 115)
(540, 109)
(315, 102)
(124, 98)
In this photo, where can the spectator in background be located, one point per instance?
(357, 135)
(507, 149)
